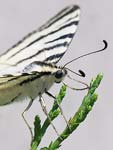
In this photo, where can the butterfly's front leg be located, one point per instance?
(23, 113)
(49, 94)
(43, 105)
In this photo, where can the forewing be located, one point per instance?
(48, 43)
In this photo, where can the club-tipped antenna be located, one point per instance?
(105, 46)
(80, 72)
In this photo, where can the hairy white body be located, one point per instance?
(12, 93)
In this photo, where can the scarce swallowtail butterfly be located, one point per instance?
(28, 69)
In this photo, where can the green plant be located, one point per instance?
(74, 121)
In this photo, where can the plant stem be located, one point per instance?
(74, 122)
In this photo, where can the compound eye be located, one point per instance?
(59, 74)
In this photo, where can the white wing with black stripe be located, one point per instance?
(48, 43)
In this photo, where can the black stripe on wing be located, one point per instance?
(48, 40)
(61, 37)
(66, 11)
(69, 35)
(45, 50)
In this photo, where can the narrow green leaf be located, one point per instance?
(74, 122)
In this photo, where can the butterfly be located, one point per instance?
(28, 69)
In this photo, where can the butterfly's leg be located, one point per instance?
(49, 94)
(43, 105)
(26, 109)
(77, 89)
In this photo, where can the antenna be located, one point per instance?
(80, 72)
(105, 46)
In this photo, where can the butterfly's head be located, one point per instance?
(59, 74)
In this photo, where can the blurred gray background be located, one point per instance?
(19, 17)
